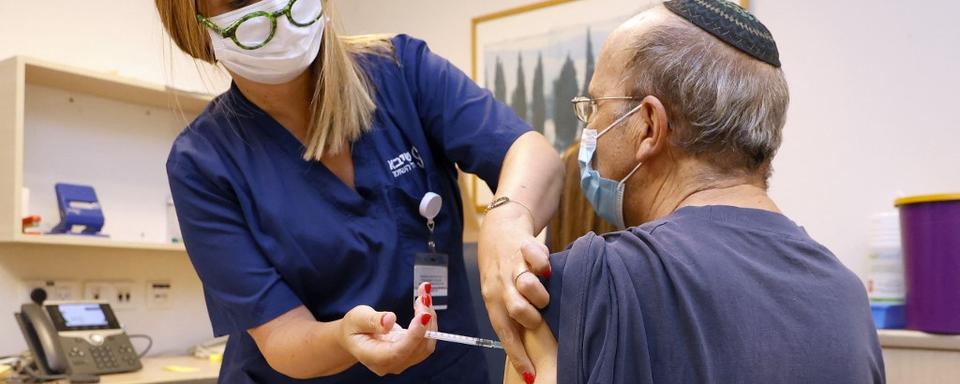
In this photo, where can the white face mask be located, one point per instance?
(286, 55)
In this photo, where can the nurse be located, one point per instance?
(298, 193)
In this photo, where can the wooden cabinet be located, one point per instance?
(920, 358)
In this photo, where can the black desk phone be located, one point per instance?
(76, 338)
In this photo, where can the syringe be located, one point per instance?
(460, 339)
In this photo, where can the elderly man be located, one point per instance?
(710, 283)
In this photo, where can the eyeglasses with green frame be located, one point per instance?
(256, 39)
(585, 107)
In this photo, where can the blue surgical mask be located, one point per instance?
(605, 195)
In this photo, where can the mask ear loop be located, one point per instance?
(620, 120)
(635, 169)
(614, 124)
(621, 189)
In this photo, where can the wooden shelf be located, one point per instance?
(94, 242)
(39, 72)
(44, 119)
(903, 338)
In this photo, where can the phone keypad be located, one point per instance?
(103, 357)
(115, 354)
(129, 356)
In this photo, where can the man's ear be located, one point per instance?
(653, 139)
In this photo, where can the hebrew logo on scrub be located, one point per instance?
(405, 162)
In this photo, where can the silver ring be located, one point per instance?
(518, 276)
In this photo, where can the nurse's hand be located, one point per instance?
(383, 346)
(510, 258)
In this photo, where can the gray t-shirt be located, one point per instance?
(713, 294)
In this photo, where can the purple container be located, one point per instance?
(930, 230)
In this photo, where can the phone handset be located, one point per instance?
(44, 337)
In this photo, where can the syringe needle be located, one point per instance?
(489, 344)
(460, 339)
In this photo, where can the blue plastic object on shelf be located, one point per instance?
(80, 212)
(888, 315)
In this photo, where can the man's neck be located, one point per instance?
(681, 187)
(744, 195)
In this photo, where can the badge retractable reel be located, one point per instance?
(432, 266)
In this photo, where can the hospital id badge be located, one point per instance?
(432, 267)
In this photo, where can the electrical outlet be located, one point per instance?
(127, 295)
(159, 294)
(98, 290)
(58, 290)
(120, 294)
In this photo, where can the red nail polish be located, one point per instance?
(428, 287)
(548, 273)
(528, 377)
(425, 319)
(427, 300)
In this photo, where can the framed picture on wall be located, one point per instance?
(537, 57)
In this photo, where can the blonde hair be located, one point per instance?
(343, 104)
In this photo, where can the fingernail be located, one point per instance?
(428, 287)
(528, 377)
(548, 273)
(427, 300)
(425, 319)
(382, 318)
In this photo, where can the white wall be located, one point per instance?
(445, 25)
(873, 85)
(121, 37)
(173, 329)
(873, 95)
(124, 38)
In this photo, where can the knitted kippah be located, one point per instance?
(731, 24)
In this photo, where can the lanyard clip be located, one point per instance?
(429, 208)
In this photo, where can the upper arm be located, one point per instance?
(474, 130)
(541, 343)
(541, 347)
(242, 287)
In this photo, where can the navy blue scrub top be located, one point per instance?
(714, 294)
(267, 231)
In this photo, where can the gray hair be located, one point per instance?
(723, 106)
